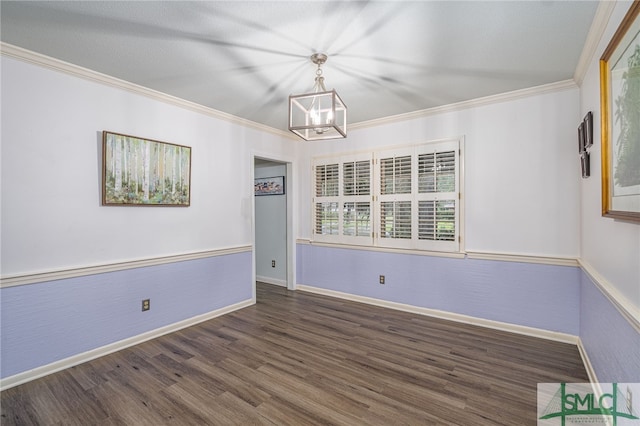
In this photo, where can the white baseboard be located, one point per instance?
(587, 363)
(496, 325)
(269, 280)
(74, 360)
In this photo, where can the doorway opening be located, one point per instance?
(274, 243)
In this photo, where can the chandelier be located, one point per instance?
(320, 114)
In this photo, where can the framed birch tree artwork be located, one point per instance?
(144, 172)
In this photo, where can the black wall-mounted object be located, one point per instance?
(585, 163)
(588, 129)
(585, 140)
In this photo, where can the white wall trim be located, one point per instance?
(42, 276)
(597, 29)
(523, 258)
(587, 362)
(25, 55)
(473, 103)
(74, 360)
(457, 255)
(502, 257)
(269, 280)
(466, 319)
(630, 312)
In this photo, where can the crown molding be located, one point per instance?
(597, 29)
(473, 103)
(54, 64)
(28, 56)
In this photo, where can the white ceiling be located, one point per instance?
(246, 57)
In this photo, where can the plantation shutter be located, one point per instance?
(342, 203)
(438, 197)
(406, 197)
(327, 180)
(326, 199)
(356, 178)
(395, 199)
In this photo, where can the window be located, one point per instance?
(356, 217)
(438, 197)
(394, 201)
(342, 212)
(326, 210)
(395, 175)
(404, 198)
(395, 219)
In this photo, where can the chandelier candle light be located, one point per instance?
(318, 115)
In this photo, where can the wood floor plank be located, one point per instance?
(231, 381)
(297, 358)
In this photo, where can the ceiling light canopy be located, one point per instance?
(320, 114)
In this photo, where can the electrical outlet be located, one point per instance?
(381, 279)
(146, 305)
(273, 263)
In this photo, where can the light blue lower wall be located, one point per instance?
(46, 322)
(50, 321)
(534, 295)
(611, 342)
(554, 298)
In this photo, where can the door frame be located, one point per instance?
(291, 218)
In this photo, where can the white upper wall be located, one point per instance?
(611, 247)
(522, 170)
(51, 171)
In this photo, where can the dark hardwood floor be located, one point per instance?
(298, 359)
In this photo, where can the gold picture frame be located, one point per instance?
(620, 123)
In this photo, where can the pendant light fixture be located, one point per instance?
(320, 114)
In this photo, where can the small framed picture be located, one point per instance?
(269, 186)
(588, 130)
(586, 165)
(581, 140)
